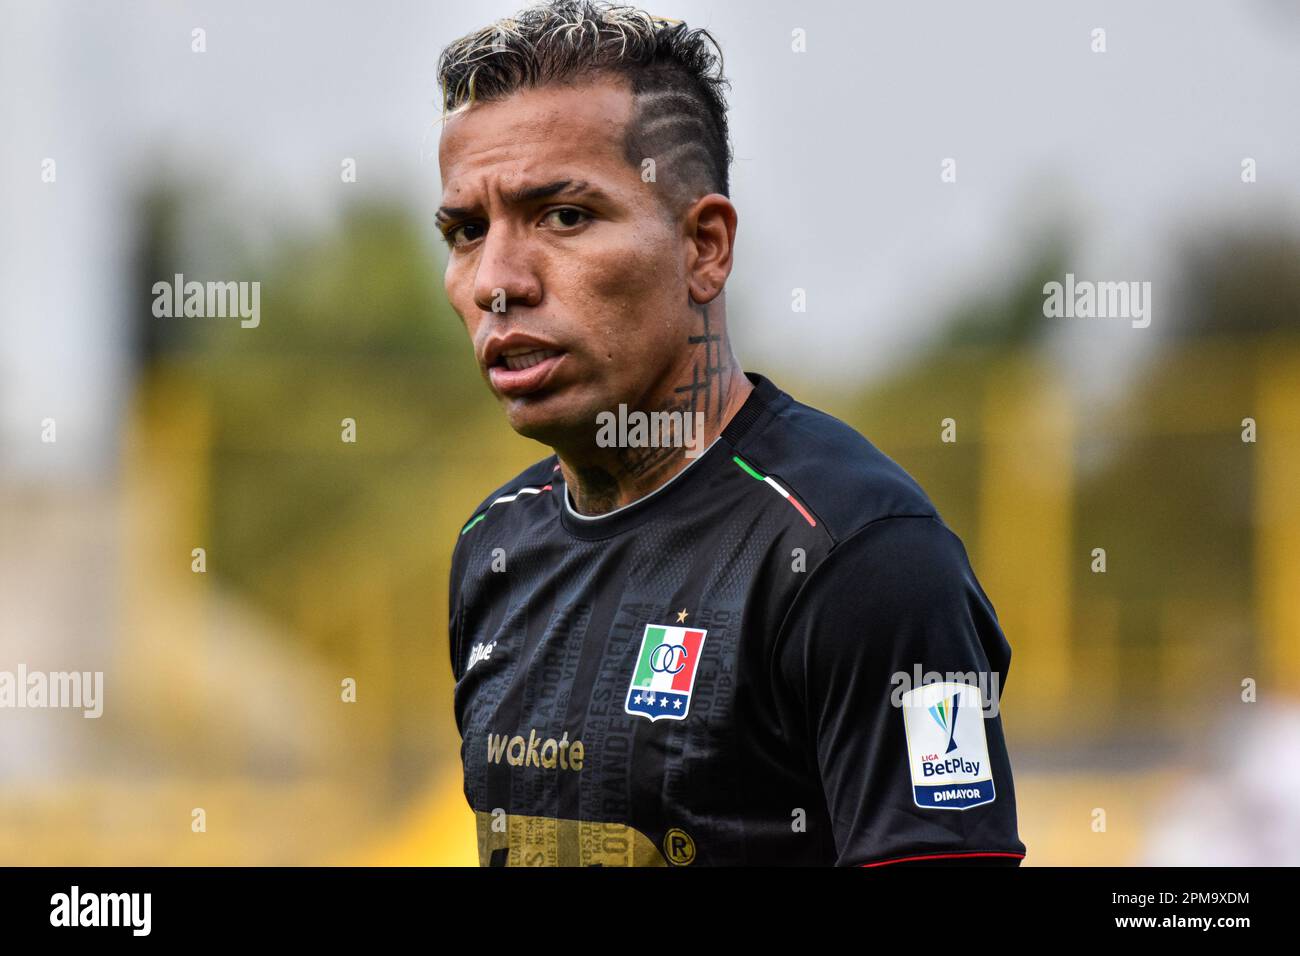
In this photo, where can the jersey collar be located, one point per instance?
(596, 527)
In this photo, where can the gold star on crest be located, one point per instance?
(681, 616)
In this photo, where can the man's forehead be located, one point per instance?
(547, 126)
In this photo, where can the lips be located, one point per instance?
(520, 364)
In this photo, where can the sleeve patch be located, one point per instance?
(947, 751)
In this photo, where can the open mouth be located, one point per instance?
(520, 359)
(521, 371)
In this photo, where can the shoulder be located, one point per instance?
(897, 594)
(897, 567)
(839, 475)
(532, 480)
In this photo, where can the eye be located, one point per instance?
(572, 212)
(450, 234)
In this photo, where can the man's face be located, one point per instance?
(588, 280)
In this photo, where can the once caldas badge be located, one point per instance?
(665, 672)
(946, 747)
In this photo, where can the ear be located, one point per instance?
(710, 229)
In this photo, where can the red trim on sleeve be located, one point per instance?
(940, 856)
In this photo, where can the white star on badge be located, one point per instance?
(677, 704)
(636, 699)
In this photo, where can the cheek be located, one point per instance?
(628, 291)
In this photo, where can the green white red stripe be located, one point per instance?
(502, 500)
(769, 480)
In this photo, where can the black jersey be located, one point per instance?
(779, 656)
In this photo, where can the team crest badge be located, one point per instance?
(665, 672)
(947, 751)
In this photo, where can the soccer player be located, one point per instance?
(716, 626)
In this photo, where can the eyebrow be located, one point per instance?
(525, 195)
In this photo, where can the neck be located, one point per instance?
(707, 385)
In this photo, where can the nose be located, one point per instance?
(506, 276)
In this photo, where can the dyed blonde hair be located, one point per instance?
(675, 72)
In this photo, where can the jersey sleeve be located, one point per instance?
(889, 669)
